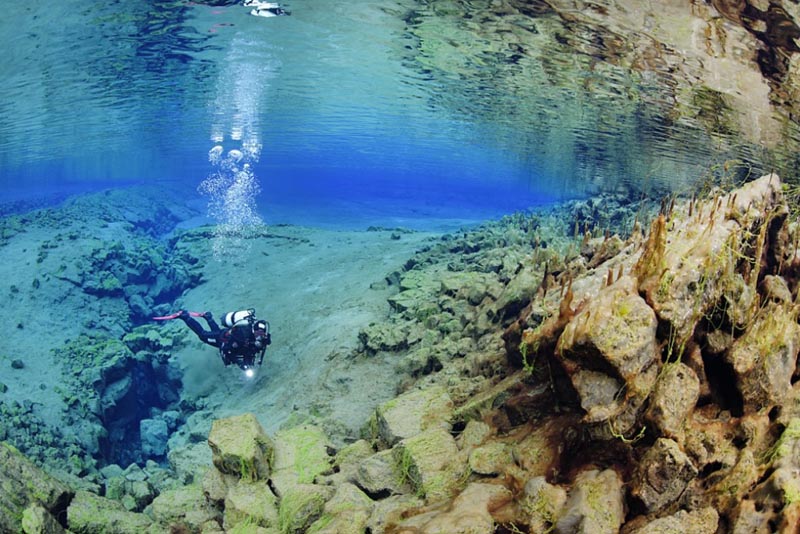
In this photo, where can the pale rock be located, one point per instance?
(240, 447)
(594, 506)
(413, 412)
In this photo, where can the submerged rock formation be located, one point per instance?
(638, 385)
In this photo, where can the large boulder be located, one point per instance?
(91, 514)
(411, 413)
(686, 276)
(610, 351)
(300, 456)
(240, 447)
(186, 506)
(22, 485)
(377, 475)
(674, 397)
(252, 503)
(470, 512)
(37, 520)
(702, 521)
(595, 504)
(765, 356)
(541, 504)
(300, 506)
(662, 475)
(154, 434)
(431, 463)
(347, 512)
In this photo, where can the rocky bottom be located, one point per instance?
(594, 384)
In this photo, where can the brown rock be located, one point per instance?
(595, 504)
(765, 357)
(662, 475)
(674, 397)
(702, 521)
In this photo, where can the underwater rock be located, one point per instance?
(594, 506)
(22, 484)
(490, 458)
(411, 413)
(300, 455)
(764, 358)
(37, 520)
(377, 475)
(471, 511)
(674, 397)
(252, 503)
(685, 276)
(186, 506)
(301, 506)
(91, 514)
(520, 290)
(216, 485)
(389, 512)
(240, 447)
(541, 504)
(702, 521)
(430, 463)
(662, 475)
(184, 460)
(609, 350)
(347, 512)
(154, 434)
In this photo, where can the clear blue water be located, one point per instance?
(385, 112)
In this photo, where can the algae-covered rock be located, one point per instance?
(470, 512)
(474, 433)
(300, 456)
(484, 401)
(37, 520)
(616, 331)
(240, 447)
(347, 512)
(215, 485)
(186, 505)
(702, 521)
(430, 463)
(91, 514)
(22, 484)
(389, 511)
(594, 506)
(187, 460)
(251, 503)
(300, 506)
(490, 458)
(411, 413)
(674, 397)
(765, 357)
(662, 476)
(377, 474)
(685, 277)
(541, 504)
(519, 291)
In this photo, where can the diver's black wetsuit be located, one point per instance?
(236, 344)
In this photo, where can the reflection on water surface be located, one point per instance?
(564, 96)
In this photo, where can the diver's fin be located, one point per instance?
(176, 315)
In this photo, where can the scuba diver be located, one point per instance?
(241, 340)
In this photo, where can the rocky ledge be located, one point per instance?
(638, 385)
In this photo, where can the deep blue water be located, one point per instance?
(363, 111)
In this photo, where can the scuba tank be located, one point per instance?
(231, 319)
